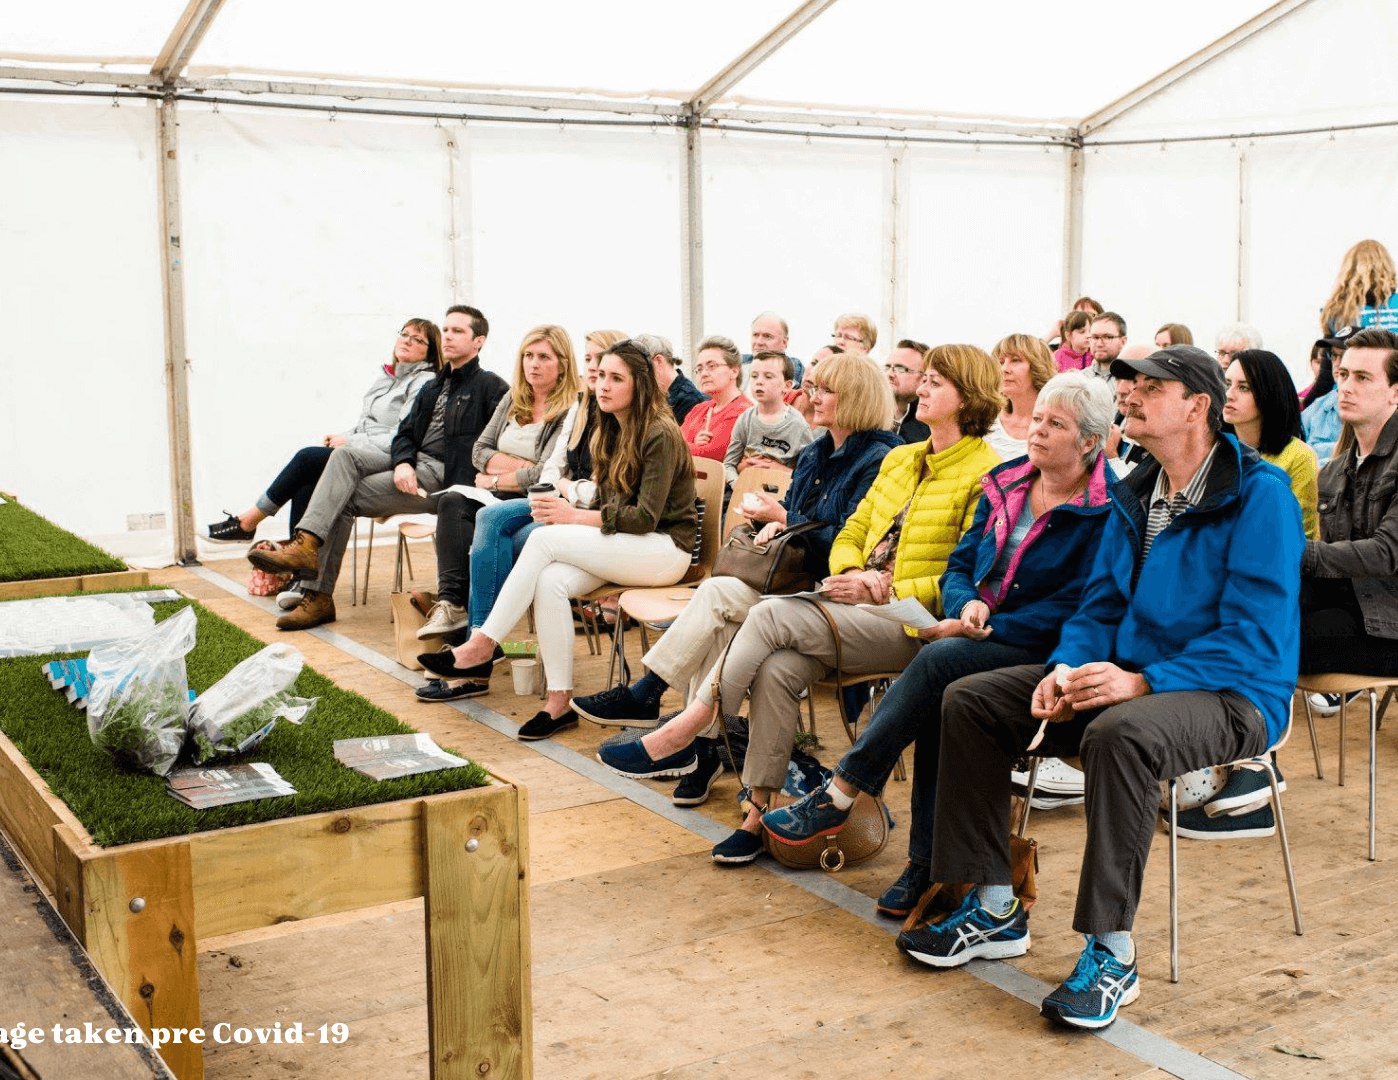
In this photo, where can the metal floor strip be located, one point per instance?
(1152, 1049)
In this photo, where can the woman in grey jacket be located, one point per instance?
(417, 357)
(509, 456)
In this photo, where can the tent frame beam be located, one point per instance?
(753, 57)
(198, 17)
(1109, 114)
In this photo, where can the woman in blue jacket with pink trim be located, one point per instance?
(1013, 580)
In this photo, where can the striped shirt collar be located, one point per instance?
(1193, 491)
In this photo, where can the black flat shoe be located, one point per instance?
(541, 725)
(441, 663)
(439, 690)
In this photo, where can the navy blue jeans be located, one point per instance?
(911, 712)
(295, 484)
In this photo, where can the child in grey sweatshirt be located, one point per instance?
(771, 433)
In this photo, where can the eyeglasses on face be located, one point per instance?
(815, 390)
(850, 337)
(704, 369)
(1103, 337)
(416, 339)
(899, 369)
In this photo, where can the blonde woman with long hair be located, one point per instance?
(1367, 279)
(642, 534)
(508, 457)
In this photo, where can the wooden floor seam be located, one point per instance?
(1148, 1047)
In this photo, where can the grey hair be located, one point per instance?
(1250, 336)
(731, 356)
(656, 345)
(786, 330)
(1088, 398)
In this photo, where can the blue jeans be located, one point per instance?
(911, 712)
(501, 531)
(295, 483)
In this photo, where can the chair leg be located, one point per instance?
(368, 561)
(1315, 743)
(354, 565)
(1388, 696)
(1029, 786)
(1285, 843)
(1373, 771)
(1174, 881)
(398, 563)
(408, 557)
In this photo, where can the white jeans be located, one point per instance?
(564, 561)
(690, 647)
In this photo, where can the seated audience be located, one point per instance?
(1349, 619)
(896, 543)
(708, 427)
(680, 394)
(431, 450)
(1074, 353)
(1026, 366)
(1233, 339)
(803, 400)
(855, 332)
(1149, 680)
(1173, 333)
(417, 357)
(509, 457)
(904, 370)
(832, 475)
(1011, 583)
(643, 534)
(770, 334)
(771, 433)
(1262, 409)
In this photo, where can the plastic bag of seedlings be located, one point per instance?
(138, 707)
(240, 710)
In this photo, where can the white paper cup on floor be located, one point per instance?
(526, 676)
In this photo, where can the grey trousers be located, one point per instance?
(358, 482)
(1126, 750)
(783, 647)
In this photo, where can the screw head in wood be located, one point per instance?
(137, 905)
(472, 844)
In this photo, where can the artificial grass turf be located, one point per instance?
(33, 547)
(117, 806)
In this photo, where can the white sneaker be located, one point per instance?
(1056, 777)
(1330, 704)
(289, 598)
(443, 619)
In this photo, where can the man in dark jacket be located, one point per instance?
(680, 393)
(431, 451)
(1349, 619)
(1182, 654)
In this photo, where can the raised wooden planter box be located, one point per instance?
(54, 586)
(139, 909)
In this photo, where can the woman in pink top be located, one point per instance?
(709, 425)
(1073, 354)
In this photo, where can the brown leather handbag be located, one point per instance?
(774, 569)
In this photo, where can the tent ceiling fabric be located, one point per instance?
(1018, 59)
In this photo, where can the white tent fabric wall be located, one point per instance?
(793, 228)
(985, 239)
(83, 434)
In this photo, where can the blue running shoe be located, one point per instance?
(968, 932)
(902, 896)
(811, 815)
(1099, 985)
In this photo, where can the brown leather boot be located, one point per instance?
(315, 608)
(301, 552)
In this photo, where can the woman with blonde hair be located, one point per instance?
(642, 534)
(508, 457)
(896, 544)
(1367, 280)
(852, 403)
(1025, 366)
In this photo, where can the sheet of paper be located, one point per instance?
(386, 757)
(906, 611)
(480, 495)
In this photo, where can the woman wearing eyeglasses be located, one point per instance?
(416, 358)
(851, 401)
(895, 545)
(708, 427)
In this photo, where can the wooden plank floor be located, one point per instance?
(650, 961)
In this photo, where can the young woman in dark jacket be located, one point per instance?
(1015, 577)
(853, 402)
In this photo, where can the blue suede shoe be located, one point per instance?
(631, 759)
(902, 896)
(812, 815)
(742, 847)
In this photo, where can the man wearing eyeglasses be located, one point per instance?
(1233, 339)
(904, 368)
(1106, 338)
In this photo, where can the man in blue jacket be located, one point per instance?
(1182, 654)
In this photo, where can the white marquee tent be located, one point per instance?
(214, 214)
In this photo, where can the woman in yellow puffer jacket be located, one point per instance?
(895, 545)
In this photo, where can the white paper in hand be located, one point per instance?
(906, 611)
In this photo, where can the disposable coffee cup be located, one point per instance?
(538, 491)
(751, 503)
(526, 676)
